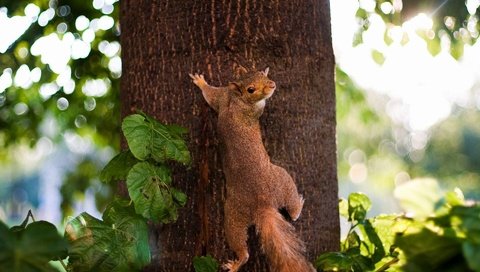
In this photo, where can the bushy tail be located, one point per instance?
(284, 250)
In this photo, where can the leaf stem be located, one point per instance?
(31, 215)
(387, 265)
(63, 264)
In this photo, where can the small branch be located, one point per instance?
(30, 214)
(387, 265)
(63, 264)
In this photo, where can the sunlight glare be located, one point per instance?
(386, 7)
(80, 49)
(78, 144)
(115, 65)
(472, 6)
(88, 35)
(36, 74)
(48, 89)
(422, 88)
(46, 16)
(358, 173)
(6, 80)
(419, 22)
(96, 87)
(81, 23)
(22, 77)
(53, 51)
(32, 11)
(11, 29)
(368, 5)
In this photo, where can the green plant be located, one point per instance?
(440, 233)
(151, 144)
(447, 240)
(369, 244)
(30, 247)
(118, 242)
(205, 264)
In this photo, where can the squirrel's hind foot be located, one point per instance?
(232, 266)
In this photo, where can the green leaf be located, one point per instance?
(176, 129)
(205, 264)
(119, 243)
(471, 252)
(179, 197)
(469, 221)
(351, 241)
(372, 241)
(455, 197)
(358, 205)
(387, 226)
(343, 207)
(118, 167)
(362, 263)
(378, 57)
(30, 249)
(333, 261)
(148, 138)
(427, 250)
(418, 197)
(149, 188)
(24, 223)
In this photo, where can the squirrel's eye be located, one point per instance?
(251, 90)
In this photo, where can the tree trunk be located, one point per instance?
(163, 41)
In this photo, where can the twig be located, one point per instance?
(387, 265)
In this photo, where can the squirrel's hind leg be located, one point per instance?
(236, 233)
(294, 205)
(288, 194)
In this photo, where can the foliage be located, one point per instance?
(452, 153)
(148, 178)
(365, 134)
(205, 264)
(456, 20)
(47, 93)
(449, 235)
(29, 247)
(369, 242)
(445, 238)
(148, 138)
(77, 182)
(67, 103)
(118, 242)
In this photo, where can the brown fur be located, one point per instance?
(256, 188)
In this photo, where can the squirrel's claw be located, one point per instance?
(198, 80)
(230, 266)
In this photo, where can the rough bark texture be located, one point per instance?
(162, 41)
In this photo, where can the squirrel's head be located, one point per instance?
(253, 88)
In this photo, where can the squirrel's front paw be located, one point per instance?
(198, 80)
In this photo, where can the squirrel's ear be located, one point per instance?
(266, 71)
(234, 87)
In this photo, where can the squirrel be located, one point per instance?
(256, 188)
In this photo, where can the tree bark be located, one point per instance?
(163, 41)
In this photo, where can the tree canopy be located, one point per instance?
(59, 80)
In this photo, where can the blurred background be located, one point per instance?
(407, 86)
